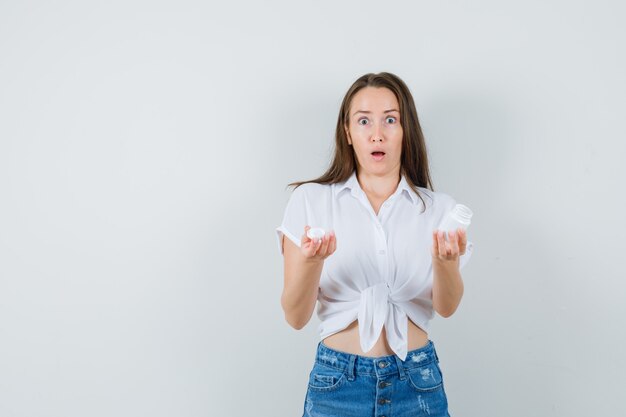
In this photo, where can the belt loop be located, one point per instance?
(401, 369)
(351, 367)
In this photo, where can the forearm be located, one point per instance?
(447, 287)
(300, 291)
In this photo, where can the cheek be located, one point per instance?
(361, 154)
(397, 145)
(400, 139)
(399, 148)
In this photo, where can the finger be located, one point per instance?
(454, 243)
(305, 237)
(329, 249)
(443, 249)
(435, 249)
(318, 245)
(312, 245)
(310, 248)
(462, 240)
(324, 248)
(333, 241)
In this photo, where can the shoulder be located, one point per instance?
(311, 187)
(310, 190)
(437, 201)
(444, 199)
(309, 193)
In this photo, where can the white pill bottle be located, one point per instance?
(459, 216)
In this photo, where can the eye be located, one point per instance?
(360, 120)
(392, 118)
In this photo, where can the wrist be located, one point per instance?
(311, 262)
(445, 263)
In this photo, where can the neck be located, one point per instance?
(380, 186)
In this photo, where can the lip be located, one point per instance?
(378, 158)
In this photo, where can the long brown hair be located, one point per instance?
(414, 159)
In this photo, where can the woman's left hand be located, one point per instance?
(443, 250)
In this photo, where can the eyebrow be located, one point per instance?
(363, 111)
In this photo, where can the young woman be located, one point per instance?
(382, 268)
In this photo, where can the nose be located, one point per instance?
(377, 135)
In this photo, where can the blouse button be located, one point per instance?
(381, 252)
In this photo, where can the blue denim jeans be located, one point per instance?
(344, 385)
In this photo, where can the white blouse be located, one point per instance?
(381, 272)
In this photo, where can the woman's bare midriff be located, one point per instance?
(347, 340)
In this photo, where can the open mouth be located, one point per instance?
(378, 155)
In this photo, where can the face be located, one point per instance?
(374, 131)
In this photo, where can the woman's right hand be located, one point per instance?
(319, 249)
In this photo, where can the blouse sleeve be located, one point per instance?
(294, 218)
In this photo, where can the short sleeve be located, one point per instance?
(294, 218)
(450, 202)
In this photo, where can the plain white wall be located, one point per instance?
(144, 152)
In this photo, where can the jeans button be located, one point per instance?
(382, 364)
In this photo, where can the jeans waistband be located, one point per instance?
(379, 366)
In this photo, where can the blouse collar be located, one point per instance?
(353, 185)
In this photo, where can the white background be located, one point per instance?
(145, 149)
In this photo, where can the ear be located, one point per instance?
(348, 136)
